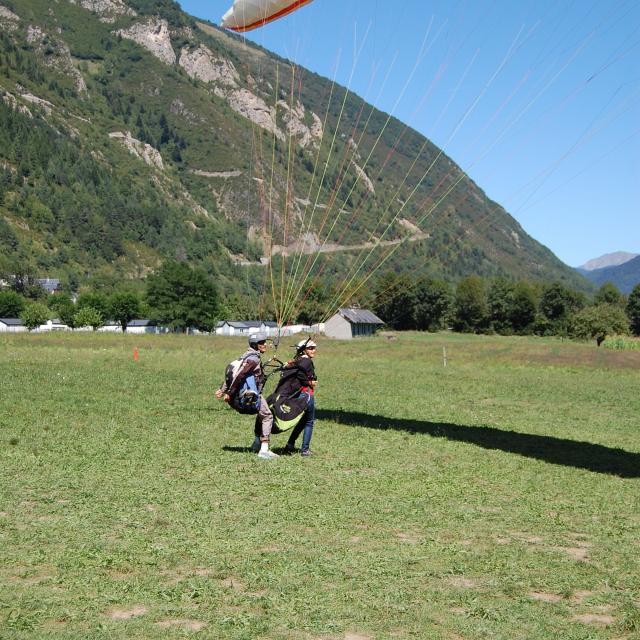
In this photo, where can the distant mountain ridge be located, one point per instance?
(625, 276)
(131, 133)
(607, 260)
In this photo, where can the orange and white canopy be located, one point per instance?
(245, 15)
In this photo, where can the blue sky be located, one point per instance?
(537, 100)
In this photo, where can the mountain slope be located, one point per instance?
(607, 260)
(624, 276)
(132, 133)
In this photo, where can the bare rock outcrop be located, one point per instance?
(154, 36)
(253, 108)
(12, 101)
(41, 102)
(139, 149)
(233, 173)
(203, 64)
(294, 118)
(362, 176)
(56, 54)
(108, 10)
(8, 20)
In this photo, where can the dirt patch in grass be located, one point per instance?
(127, 614)
(356, 636)
(408, 538)
(581, 554)
(462, 582)
(594, 618)
(233, 583)
(189, 625)
(27, 577)
(542, 596)
(578, 597)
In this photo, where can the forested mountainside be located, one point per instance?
(131, 133)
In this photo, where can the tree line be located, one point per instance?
(477, 305)
(181, 297)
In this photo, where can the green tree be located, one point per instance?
(524, 304)
(96, 301)
(88, 317)
(182, 297)
(599, 321)
(433, 301)
(62, 305)
(394, 300)
(500, 305)
(34, 314)
(633, 310)
(313, 304)
(11, 304)
(557, 306)
(470, 307)
(609, 294)
(124, 306)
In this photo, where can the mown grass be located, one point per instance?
(496, 497)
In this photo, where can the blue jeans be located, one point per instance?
(305, 426)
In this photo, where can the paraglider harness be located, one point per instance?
(247, 399)
(289, 401)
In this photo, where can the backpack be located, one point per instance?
(247, 398)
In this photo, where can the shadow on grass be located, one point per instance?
(569, 453)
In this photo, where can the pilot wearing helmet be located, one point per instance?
(250, 366)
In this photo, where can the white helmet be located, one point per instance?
(305, 344)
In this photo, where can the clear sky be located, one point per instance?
(537, 100)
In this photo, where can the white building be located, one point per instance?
(11, 325)
(245, 327)
(53, 325)
(352, 323)
(145, 326)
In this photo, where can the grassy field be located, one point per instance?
(497, 497)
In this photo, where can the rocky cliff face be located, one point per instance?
(8, 20)
(108, 10)
(153, 35)
(139, 149)
(55, 54)
(203, 64)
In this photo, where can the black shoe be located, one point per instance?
(288, 450)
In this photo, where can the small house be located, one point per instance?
(50, 285)
(110, 326)
(143, 326)
(246, 327)
(53, 325)
(352, 323)
(11, 325)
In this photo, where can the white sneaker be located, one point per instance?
(255, 447)
(267, 455)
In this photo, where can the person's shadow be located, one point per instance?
(570, 453)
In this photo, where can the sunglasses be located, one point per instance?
(311, 348)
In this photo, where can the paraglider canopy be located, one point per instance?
(246, 15)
